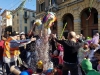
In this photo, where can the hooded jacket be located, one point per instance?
(87, 67)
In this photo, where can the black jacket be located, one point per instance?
(70, 50)
(53, 44)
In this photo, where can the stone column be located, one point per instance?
(59, 27)
(77, 24)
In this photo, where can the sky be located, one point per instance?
(13, 4)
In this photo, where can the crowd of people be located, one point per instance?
(45, 54)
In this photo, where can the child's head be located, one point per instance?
(55, 53)
(86, 45)
(97, 54)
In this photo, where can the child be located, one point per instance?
(55, 58)
(83, 52)
(60, 48)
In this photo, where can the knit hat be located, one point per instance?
(22, 33)
(86, 65)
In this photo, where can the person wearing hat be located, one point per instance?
(87, 67)
(23, 48)
(22, 36)
(83, 52)
(11, 50)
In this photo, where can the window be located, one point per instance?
(82, 32)
(13, 16)
(25, 13)
(17, 14)
(25, 20)
(53, 1)
(42, 7)
(25, 29)
(96, 18)
(33, 14)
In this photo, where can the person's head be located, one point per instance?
(22, 35)
(18, 37)
(86, 65)
(97, 54)
(97, 34)
(86, 45)
(93, 46)
(77, 36)
(72, 35)
(15, 35)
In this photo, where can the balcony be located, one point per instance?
(25, 16)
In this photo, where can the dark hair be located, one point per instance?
(98, 51)
(14, 33)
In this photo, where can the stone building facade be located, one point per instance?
(76, 13)
(6, 22)
(23, 20)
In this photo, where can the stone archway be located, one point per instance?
(70, 24)
(69, 19)
(89, 25)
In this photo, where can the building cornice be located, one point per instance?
(67, 3)
(29, 10)
(24, 9)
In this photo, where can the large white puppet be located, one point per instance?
(42, 48)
